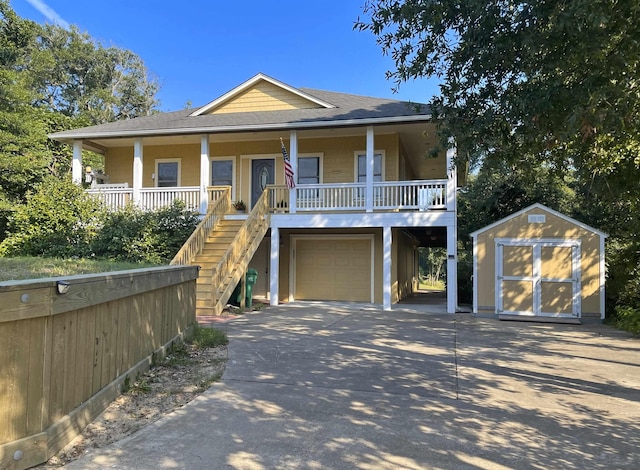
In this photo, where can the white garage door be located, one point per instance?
(333, 269)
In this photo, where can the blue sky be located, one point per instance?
(200, 49)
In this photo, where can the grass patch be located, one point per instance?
(19, 268)
(208, 337)
(438, 285)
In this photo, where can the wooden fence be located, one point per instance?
(64, 356)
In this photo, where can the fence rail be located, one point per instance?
(64, 356)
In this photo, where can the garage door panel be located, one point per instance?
(327, 269)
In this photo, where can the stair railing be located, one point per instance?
(236, 258)
(195, 243)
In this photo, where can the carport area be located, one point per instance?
(328, 385)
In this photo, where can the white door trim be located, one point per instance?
(536, 278)
(292, 257)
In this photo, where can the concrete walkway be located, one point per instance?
(330, 386)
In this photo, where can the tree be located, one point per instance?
(52, 79)
(556, 79)
(76, 76)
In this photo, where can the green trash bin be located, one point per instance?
(252, 278)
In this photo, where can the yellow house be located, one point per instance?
(366, 194)
(538, 264)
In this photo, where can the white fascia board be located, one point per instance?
(363, 220)
(64, 136)
(252, 81)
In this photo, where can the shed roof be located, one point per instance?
(541, 207)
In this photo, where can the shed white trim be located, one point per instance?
(544, 208)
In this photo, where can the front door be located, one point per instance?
(262, 174)
(540, 278)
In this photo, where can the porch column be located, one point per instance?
(451, 179)
(274, 266)
(386, 267)
(137, 170)
(370, 169)
(452, 269)
(293, 158)
(205, 171)
(76, 163)
(452, 233)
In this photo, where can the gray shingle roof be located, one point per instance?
(349, 110)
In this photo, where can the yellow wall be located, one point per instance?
(403, 264)
(264, 96)
(338, 159)
(554, 227)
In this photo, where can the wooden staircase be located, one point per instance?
(214, 249)
(223, 249)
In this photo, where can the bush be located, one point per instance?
(58, 220)
(628, 318)
(134, 235)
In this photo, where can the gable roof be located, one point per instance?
(330, 109)
(254, 83)
(543, 208)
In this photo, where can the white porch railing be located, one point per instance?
(155, 198)
(387, 195)
(113, 198)
(150, 198)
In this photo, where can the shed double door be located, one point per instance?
(538, 277)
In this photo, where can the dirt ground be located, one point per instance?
(180, 378)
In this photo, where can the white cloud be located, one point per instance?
(49, 13)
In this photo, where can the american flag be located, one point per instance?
(288, 169)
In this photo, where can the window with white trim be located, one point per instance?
(168, 173)
(308, 170)
(222, 172)
(361, 167)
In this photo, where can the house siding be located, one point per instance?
(264, 96)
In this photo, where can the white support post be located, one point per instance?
(451, 179)
(370, 169)
(274, 266)
(205, 172)
(452, 269)
(137, 169)
(293, 157)
(76, 163)
(387, 242)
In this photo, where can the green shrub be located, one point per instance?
(134, 235)
(58, 220)
(628, 318)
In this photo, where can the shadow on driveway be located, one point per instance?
(314, 386)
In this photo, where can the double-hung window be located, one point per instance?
(362, 168)
(308, 170)
(168, 173)
(222, 173)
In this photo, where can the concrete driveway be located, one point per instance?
(331, 386)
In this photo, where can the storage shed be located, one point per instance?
(538, 264)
